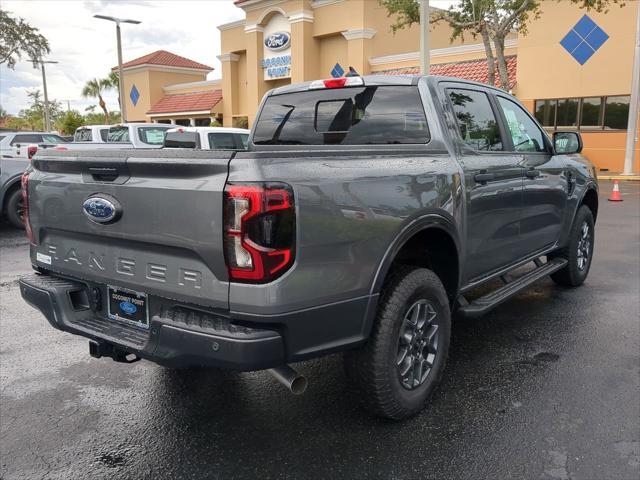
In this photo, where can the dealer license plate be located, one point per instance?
(128, 306)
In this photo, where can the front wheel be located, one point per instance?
(579, 251)
(400, 366)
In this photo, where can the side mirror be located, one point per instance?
(567, 142)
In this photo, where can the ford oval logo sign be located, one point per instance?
(277, 41)
(102, 208)
(128, 308)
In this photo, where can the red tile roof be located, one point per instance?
(187, 102)
(475, 70)
(168, 59)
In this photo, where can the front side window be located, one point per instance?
(477, 123)
(616, 113)
(525, 134)
(152, 135)
(222, 141)
(373, 115)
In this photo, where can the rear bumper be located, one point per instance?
(177, 337)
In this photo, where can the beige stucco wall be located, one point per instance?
(192, 89)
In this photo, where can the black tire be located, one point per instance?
(13, 208)
(375, 368)
(576, 271)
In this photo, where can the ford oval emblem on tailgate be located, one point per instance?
(102, 208)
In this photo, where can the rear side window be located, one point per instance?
(182, 140)
(347, 116)
(83, 135)
(152, 135)
(118, 134)
(26, 138)
(477, 123)
(222, 141)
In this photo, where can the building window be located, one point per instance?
(591, 115)
(546, 112)
(241, 122)
(203, 122)
(183, 122)
(616, 113)
(603, 113)
(567, 113)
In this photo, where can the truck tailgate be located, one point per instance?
(167, 240)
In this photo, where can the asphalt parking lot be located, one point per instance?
(545, 387)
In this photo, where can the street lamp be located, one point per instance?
(47, 116)
(424, 37)
(123, 110)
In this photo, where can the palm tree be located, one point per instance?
(94, 88)
(112, 82)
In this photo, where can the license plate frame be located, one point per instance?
(128, 306)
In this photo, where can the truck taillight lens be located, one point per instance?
(25, 205)
(259, 231)
(31, 151)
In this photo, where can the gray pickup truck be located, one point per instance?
(365, 212)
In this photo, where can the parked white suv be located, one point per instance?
(15, 144)
(207, 138)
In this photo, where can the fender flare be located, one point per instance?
(590, 185)
(440, 221)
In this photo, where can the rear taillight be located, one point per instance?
(259, 231)
(25, 206)
(31, 151)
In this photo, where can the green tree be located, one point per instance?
(69, 121)
(18, 38)
(94, 89)
(33, 116)
(493, 20)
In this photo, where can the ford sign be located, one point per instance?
(101, 208)
(277, 41)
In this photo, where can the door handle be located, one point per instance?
(532, 173)
(483, 177)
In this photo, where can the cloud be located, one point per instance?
(86, 47)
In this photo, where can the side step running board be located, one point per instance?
(482, 305)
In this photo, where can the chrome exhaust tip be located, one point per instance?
(287, 376)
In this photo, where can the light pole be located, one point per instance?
(634, 105)
(424, 37)
(47, 115)
(118, 21)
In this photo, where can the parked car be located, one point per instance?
(16, 149)
(365, 211)
(126, 135)
(91, 133)
(207, 138)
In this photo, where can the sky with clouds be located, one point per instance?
(86, 47)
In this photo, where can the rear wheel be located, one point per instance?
(578, 252)
(15, 208)
(402, 363)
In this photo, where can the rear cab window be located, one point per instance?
(367, 115)
(222, 141)
(182, 140)
(83, 135)
(152, 135)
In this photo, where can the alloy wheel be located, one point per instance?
(584, 246)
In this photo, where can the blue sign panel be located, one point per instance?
(337, 71)
(134, 95)
(584, 39)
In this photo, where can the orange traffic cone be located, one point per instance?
(615, 194)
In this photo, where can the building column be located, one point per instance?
(304, 47)
(359, 48)
(256, 85)
(229, 63)
(192, 122)
(173, 121)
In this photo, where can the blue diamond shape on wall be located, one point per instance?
(584, 39)
(134, 95)
(337, 71)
